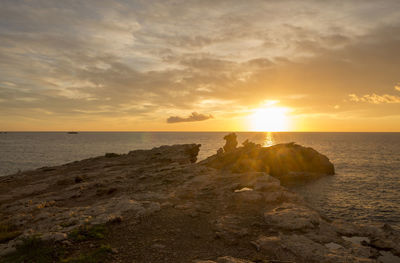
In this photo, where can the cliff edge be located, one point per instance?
(159, 205)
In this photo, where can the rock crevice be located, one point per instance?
(162, 206)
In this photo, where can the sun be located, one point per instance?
(269, 119)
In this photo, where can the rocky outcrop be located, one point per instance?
(180, 153)
(289, 162)
(161, 206)
(231, 142)
(289, 216)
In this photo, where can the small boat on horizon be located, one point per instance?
(72, 132)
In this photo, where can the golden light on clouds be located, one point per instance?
(269, 119)
(134, 65)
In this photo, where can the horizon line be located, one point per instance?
(66, 131)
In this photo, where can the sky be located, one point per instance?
(99, 65)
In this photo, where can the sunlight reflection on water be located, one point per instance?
(269, 139)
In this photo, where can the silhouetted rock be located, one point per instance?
(111, 155)
(231, 142)
(288, 162)
(180, 153)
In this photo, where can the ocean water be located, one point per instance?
(366, 187)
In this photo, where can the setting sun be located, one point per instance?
(269, 119)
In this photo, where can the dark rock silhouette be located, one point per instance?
(111, 155)
(231, 142)
(289, 162)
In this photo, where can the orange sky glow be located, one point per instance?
(200, 66)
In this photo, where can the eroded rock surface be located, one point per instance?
(161, 206)
(230, 142)
(288, 162)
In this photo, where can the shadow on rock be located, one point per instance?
(288, 162)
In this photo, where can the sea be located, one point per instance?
(365, 189)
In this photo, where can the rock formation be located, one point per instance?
(289, 162)
(160, 206)
(231, 142)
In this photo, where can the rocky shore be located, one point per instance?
(160, 205)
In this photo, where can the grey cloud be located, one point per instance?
(191, 118)
(137, 59)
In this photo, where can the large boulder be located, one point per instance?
(292, 217)
(288, 162)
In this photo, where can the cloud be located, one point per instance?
(96, 59)
(193, 117)
(375, 99)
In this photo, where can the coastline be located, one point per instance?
(157, 204)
